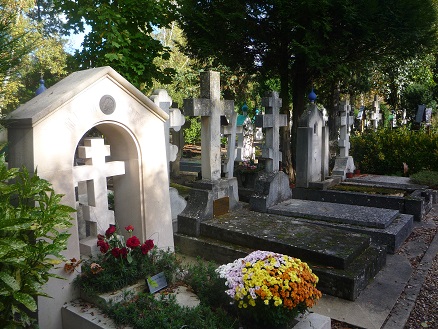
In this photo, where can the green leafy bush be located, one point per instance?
(32, 237)
(426, 177)
(384, 151)
(192, 134)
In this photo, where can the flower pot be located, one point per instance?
(349, 175)
(357, 171)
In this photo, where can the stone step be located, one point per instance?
(336, 213)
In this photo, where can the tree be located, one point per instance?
(302, 42)
(121, 36)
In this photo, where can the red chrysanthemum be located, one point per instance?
(129, 228)
(133, 242)
(116, 252)
(110, 231)
(124, 252)
(104, 246)
(147, 246)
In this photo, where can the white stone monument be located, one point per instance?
(212, 191)
(175, 122)
(376, 116)
(45, 133)
(344, 162)
(272, 185)
(312, 146)
(229, 132)
(245, 139)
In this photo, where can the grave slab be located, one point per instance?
(335, 212)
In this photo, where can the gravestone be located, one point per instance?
(45, 133)
(272, 185)
(212, 190)
(376, 116)
(344, 162)
(176, 120)
(229, 132)
(312, 146)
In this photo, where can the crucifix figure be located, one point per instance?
(271, 121)
(92, 180)
(210, 107)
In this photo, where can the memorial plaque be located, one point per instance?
(107, 104)
(221, 206)
(156, 282)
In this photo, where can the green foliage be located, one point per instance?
(32, 237)
(121, 36)
(146, 312)
(118, 273)
(385, 151)
(417, 94)
(426, 177)
(192, 134)
(206, 283)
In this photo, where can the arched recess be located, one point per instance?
(127, 187)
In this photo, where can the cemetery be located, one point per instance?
(115, 158)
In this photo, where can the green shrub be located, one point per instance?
(426, 177)
(192, 134)
(32, 237)
(384, 151)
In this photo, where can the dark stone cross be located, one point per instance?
(210, 107)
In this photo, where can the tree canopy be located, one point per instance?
(303, 41)
(121, 35)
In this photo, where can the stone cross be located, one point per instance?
(95, 173)
(210, 107)
(229, 132)
(376, 116)
(175, 122)
(271, 121)
(345, 120)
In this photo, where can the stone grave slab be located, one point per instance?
(336, 212)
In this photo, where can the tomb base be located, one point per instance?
(206, 200)
(343, 165)
(270, 189)
(88, 246)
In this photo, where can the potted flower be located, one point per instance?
(269, 289)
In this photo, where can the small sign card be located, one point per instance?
(156, 282)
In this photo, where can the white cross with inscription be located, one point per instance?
(345, 121)
(95, 173)
(376, 116)
(271, 121)
(210, 107)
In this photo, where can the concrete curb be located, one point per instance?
(404, 306)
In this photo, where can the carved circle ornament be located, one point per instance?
(107, 104)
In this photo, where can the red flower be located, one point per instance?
(133, 242)
(100, 237)
(104, 246)
(147, 246)
(110, 231)
(129, 228)
(124, 252)
(116, 252)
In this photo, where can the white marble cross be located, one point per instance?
(95, 173)
(345, 120)
(376, 116)
(271, 121)
(229, 132)
(210, 107)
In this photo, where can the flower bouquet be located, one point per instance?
(120, 264)
(270, 289)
